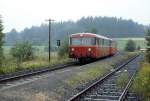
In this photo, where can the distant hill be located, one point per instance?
(108, 26)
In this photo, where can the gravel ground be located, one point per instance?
(46, 87)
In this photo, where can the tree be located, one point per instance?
(22, 52)
(1, 42)
(12, 37)
(130, 46)
(147, 37)
(94, 30)
(107, 26)
(138, 48)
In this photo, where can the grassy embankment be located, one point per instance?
(95, 70)
(141, 84)
(40, 60)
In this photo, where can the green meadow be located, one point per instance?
(121, 42)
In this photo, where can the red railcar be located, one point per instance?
(87, 45)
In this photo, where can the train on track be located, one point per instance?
(83, 46)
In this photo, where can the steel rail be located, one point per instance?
(125, 92)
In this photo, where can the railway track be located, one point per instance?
(27, 73)
(107, 89)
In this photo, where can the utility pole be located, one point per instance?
(49, 20)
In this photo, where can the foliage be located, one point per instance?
(94, 30)
(130, 46)
(147, 37)
(63, 49)
(141, 84)
(108, 26)
(1, 42)
(22, 51)
(138, 48)
(40, 61)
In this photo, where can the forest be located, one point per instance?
(108, 26)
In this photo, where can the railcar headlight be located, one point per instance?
(72, 49)
(89, 49)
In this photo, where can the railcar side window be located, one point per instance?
(110, 43)
(113, 44)
(100, 42)
(103, 42)
(97, 41)
(106, 42)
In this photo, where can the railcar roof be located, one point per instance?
(99, 36)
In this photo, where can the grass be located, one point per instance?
(11, 66)
(85, 76)
(40, 60)
(95, 71)
(121, 42)
(141, 84)
(123, 79)
(38, 50)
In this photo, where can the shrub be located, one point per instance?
(141, 84)
(147, 37)
(138, 48)
(22, 51)
(130, 46)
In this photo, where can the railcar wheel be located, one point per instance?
(81, 60)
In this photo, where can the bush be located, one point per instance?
(147, 37)
(141, 84)
(138, 48)
(130, 46)
(22, 51)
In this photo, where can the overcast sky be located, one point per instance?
(19, 14)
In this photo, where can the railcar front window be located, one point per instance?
(76, 41)
(88, 41)
(83, 41)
